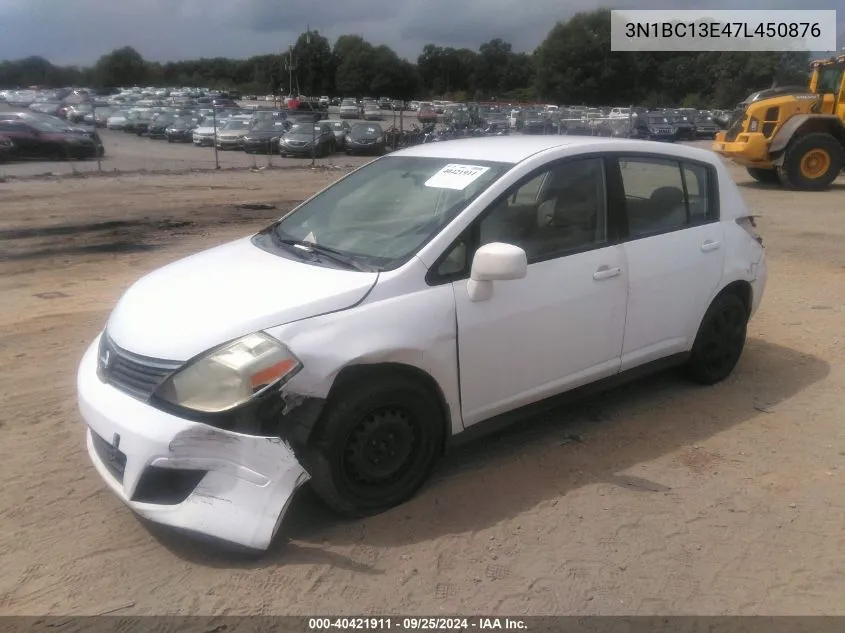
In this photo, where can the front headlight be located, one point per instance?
(230, 375)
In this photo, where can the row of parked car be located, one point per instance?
(659, 125)
(255, 131)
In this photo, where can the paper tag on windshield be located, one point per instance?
(310, 238)
(454, 176)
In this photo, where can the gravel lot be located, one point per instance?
(678, 500)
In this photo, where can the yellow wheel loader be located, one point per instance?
(794, 136)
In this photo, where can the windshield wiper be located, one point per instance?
(330, 253)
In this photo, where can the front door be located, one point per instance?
(562, 325)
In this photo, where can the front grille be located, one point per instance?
(138, 376)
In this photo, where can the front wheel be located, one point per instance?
(376, 445)
(812, 162)
(720, 340)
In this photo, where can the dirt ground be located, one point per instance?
(672, 499)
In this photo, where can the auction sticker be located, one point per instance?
(455, 176)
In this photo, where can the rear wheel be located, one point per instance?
(376, 445)
(812, 162)
(720, 340)
(765, 176)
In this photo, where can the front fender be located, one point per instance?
(788, 129)
(415, 328)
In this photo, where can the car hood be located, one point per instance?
(264, 134)
(196, 303)
(205, 129)
(305, 136)
(233, 133)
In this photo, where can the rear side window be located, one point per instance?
(697, 186)
(663, 195)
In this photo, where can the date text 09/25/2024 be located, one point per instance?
(416, 624)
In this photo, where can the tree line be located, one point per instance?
(572, 65)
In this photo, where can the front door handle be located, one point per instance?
(605, 272)
(710, 245)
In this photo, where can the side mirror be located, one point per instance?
(495, 262)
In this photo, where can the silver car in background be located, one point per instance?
(349, 109)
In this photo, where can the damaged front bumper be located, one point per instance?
(188, 475)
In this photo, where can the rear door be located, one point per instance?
(674, 252)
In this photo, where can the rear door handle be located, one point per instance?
(710, 245)
(605, 272)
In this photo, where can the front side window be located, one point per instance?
(559, 211)
(384, 212)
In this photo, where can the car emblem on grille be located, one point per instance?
(105, 360)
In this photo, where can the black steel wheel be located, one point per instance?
(375, 445)
(720, 340)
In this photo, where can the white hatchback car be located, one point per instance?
(430, 290)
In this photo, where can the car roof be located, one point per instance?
(515, 149)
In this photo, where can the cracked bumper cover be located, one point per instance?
(250, 480)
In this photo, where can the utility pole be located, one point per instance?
(310, 98)
(290, 66)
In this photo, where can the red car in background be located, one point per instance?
(38, 139)
(427, 114)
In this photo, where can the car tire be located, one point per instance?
(764, 176)
(363, 426)
(812, 162)
(720, 340)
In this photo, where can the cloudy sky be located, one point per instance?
(79, 31)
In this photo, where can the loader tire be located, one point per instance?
(764, 176)
(812, 162)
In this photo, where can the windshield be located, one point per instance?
(384, 212)
(658, 119)
(362, 131)
(236, 125)
(44, 126)
(337, 126)
(269, 125)
(304, 128)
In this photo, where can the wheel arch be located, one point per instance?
(742, 289)
(801, 124)
(352, 375)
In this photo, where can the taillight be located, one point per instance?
(749, 224)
